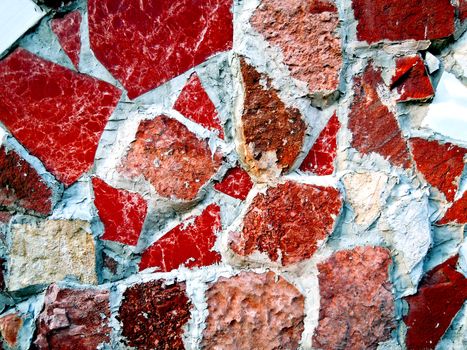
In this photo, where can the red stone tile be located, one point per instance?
(457, 213)
(441, 294)
(5, 217)
(462, 9)
(440, 164)
(236, 183)
(403, 20)
(374, 127)
(190, 244)
(145, 43)
(57, 114)
(122, 212)
(195, 104)
(67, 29)
(9, 328)
(320, 159)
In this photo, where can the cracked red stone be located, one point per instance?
(67, 30)
(441, 294)
(457, 213)
(10, 326)
(236, 183)
(145, 43)
(188, 244)
(60, 124)
(440, 164)
(403, 20)
(122, 212)
(288, 222)
(320, 159)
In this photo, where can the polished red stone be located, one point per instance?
(441, 294)
(10, 326)
(57, 114)
(320, 159)
(121, 212)
(145, 43)
(457, 213)
(374, 127)
(440, 164)
(403, 19)
(67, 29)
(188, 244)
(236, 183)
(195, 104)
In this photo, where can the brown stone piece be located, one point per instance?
(9, 328)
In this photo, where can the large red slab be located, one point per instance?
(236, 183)
(67, 29)
(457, 213)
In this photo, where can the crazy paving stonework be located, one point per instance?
(457, 213)
(67, 30)
(236, 183)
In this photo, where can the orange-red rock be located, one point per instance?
(9, 328)
(236, 183)
(457, 213)
(67, 29)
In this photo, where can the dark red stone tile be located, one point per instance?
(236, 183)
(188, 244)
(441, 294)
(403, 20)
(121, 212)
(67, 29)
(320, 159)
(457, 213)
(145, 43)
(57, 114)
(10, 326)
(462, 9)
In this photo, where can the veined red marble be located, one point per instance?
(67, 29)
(236, 183)
(457, 213)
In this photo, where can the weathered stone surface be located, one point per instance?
(9, 328)
(462, 10)
(457, 213)
(253, 311)
(288, 222)
(153, 315)
(122, 212)
(73, 319)
(171, 158)
(374, 127)
(306, 32)
(50, 250)
(357, 307)
(62, 124)
(144, 44)
(236, 183)
(188, 244)
(67, 29)
(403, 20)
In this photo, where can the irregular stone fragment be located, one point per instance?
(442, 293)
(144, 44)
(153, 315)
(171, 158)
(73, 319)
(357, 307)
(236, 183)
(47, 251)
(61, 124)
(253, 311)
(288, 222)
(121, 212)
(67, 29)
(457, 213)
(403, 20)
(462, 10)
(9, 328)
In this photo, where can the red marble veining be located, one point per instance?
(146, 43)
(58, 114)
(67, 29)
(195, 104)
(440, 164)
(236, 183)
(9, 328)
(121, 212)
(441, 294)
(320, 159)
(373, 126)
(457, 213)
(188, 244)
(403, 19)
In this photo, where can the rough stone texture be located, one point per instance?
(306, 32)
(73, 319)
(9, 328)
(171, 158)
(373, 126)
(2, 271)
(49, 251)
(143, 44)
(67, 29)
(62, 124)
(457, 213)
(403, 20)
(357, 307)
(236, 183)
(188, 244)
(463, 10)
(441, 294)
(121, 212)
(441, 164)
(253, 311)
(288, 222)
(153, 315)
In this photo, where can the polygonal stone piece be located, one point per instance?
(457, 213)
(9, 328)
(236, 183)
(253, 311)
(462, 10)
(67, 30)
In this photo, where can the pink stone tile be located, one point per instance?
(67, 29)
(236, 183)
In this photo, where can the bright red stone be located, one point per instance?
(146, 43)
(457, 213)
(58, 114)
(320, 159)
(121, 212)
(189, 244)
(236, 183)
(67, 29)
